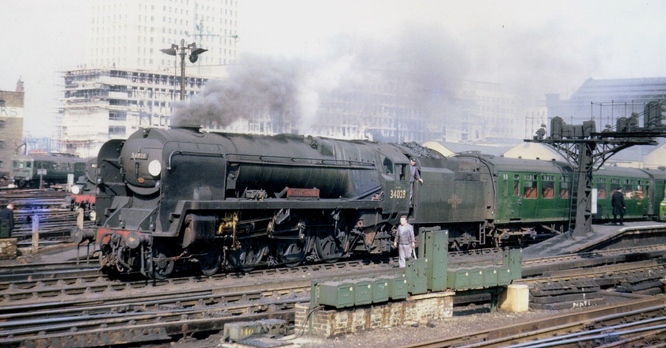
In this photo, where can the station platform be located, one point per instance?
(602, 235)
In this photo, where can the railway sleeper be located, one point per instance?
(566, 298)
(571, 304)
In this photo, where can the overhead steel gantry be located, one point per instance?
(587, 150)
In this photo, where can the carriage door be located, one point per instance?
(513, 195)
(530, 197)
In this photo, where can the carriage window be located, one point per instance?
(601, 180)
(565, 189)
(602, 192)
(28, 164)
(628, 192)
(15, 164)
(639, 192)
(516, 185)
(529, 186)
(548, 186)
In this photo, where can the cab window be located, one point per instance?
(388, 166)
(401, 170)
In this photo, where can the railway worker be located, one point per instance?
(404, 241)
(7, 214)
(617, 202)
(414, 176)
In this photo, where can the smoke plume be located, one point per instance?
(423, 64)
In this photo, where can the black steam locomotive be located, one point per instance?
(239, 201)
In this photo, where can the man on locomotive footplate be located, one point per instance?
(617, 202)
(404, 241)
(414, 176)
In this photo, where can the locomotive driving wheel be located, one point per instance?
(248, 256)
(209, 263)
(291, 252)
(330, 245)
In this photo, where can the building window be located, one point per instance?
(118, 116)
(115, 130)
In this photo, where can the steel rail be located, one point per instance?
(549, 327)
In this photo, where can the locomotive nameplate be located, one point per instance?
(302, 193)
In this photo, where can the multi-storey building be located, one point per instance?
(379, 111)
(103, 104)
(127, 82)
(11, 126)
(483, 112)
(131, 33)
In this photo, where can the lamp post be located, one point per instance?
(183, 51)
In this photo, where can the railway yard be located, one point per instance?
(607, 292)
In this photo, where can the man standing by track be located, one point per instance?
(404, 240)
(617, 202)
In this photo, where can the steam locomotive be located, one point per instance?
(168, 197)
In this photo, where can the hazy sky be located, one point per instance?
(537, 46)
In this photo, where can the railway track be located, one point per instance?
(583, 328)
(90, 310)
(47, 280)
(147, 317)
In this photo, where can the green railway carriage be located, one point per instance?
(25, 169)
(525, 197)
(527, 194)
(635, 186)
(657, 191)
(643, 190)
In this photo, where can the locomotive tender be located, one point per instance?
(241, 201)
